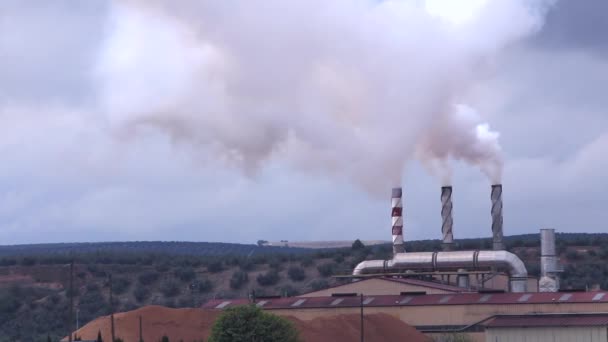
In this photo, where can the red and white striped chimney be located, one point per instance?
(397, 220)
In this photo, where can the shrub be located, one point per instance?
(141, 293)
(319, 285)
(185, 274)
(120, 285)
(170, 288)
(238, 279)
(326, 269)
(307, 261)
(204, 286)
(148, 277)
(249, 323)
(357, 245)
(215, 267)
(296, 273)
(269, 278)
(288, 291)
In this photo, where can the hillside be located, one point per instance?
(34, 285)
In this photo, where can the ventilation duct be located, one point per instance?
(397, 220)
(452, 261)
(496, 212)
(549, 280)
(446, 218)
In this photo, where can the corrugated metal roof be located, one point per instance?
(578, 320)
(429, 284)
(407, 281)
(433, 299)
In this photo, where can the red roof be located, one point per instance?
(556, 298)
(578, 320)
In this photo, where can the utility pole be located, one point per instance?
(70, 325)
(141, 339)
(361, 296)
(111, 311)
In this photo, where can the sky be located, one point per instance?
(89, 153)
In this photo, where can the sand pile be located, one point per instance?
(195, 324)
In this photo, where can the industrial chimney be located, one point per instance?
(549, 280)
(397, 221)
(496, 197)
(446, 217)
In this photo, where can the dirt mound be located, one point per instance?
(195, 324)
(377, 327)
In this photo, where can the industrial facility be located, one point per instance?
(484, 295)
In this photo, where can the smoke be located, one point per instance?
(354, 88)
(460, 135)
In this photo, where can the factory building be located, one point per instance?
(485, 295)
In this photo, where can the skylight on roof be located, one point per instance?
(337, 301)
(599, 296)
(368, 300)
(445, 299)
(485, 298)
(261, 303)
(525, 297)
(298, 302)
(565, 297)
(406, 300)
(222, 305)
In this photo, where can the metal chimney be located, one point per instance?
(549, 280)
(397, 220)
(446, 217)
(497, 235)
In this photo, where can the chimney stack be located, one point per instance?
(497, 234)
(446, 217)
(549, 280)
(397, 220)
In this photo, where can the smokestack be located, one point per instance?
(397, 221)
(446, 216)
(549, 281)
(496, 197)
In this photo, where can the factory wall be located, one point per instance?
(547, 334)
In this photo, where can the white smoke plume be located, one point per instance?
(351, 87)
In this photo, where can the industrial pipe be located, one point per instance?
(452, 261)
(549, 280)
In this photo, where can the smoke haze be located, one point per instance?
(353, 88)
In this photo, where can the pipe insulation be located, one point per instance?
(452, 261)
(397, 220)
(549, 279)
(447, 221)
(497, 234)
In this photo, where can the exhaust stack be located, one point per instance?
(446, 217)
(497, 234)
(549, 280)
(397, 220)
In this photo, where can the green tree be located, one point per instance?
(357, 245)
(250, 324)
(238, 279)
(296, 273)
(99, 336)
(164, 339)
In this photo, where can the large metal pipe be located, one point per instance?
(497, 234)
(452, 261)
(549, 280)
(397, 220)
(447, 221)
